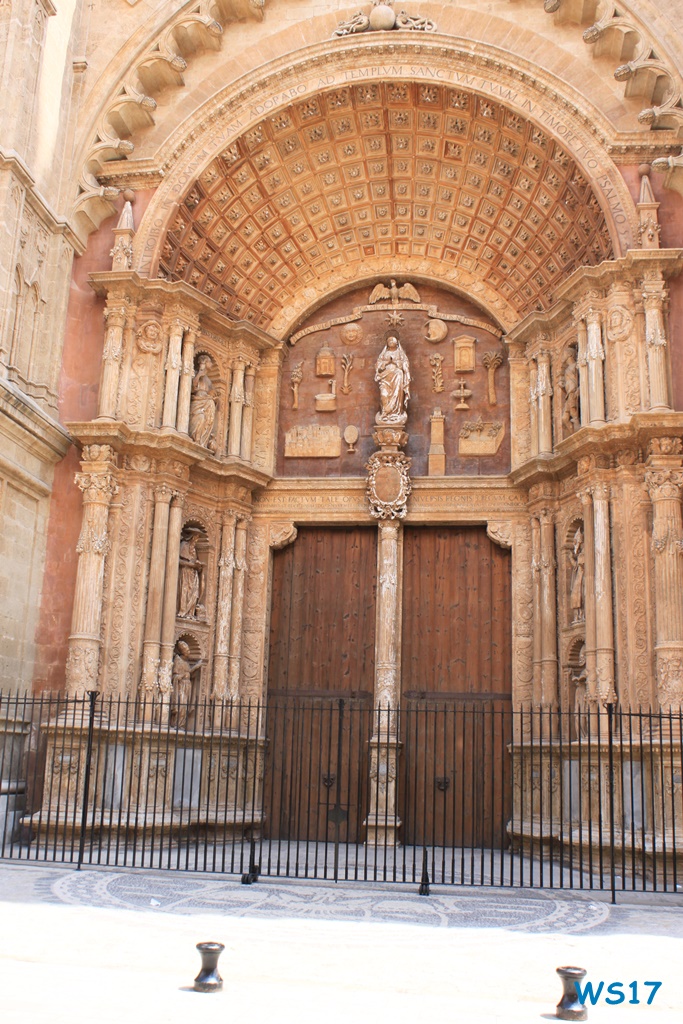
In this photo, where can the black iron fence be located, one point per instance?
(468, 792)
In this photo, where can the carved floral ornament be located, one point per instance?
(383, 18)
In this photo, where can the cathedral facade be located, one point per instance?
(339, 351)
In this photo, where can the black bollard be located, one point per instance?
(254, 869)
(569, 1007)
(424, 881)
(208, 979)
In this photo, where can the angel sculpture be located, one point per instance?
(393, 292)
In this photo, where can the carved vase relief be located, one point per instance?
(424, 321)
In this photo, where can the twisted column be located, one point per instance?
(664, 486)
(115, 318)
(237, 613)
(186, 378)
(595, 353)
(236, 408)
(151, 647)
(98, 486)
(173, 360)
(604, 623)
(226, 572)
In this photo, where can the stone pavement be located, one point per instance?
(118, 946)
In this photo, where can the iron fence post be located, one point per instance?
(92, 696)
(610, 754)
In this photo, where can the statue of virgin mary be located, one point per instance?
(392, 373)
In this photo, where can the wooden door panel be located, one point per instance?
(320, 685)
(456, 687)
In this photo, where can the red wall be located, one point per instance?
(78, 392)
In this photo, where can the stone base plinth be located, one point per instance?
(382, 832)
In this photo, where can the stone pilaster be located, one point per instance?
(655, 340)
(173, 361)
(604, 621)
(533, 406)
(548, 609)
(582, 362)
(115, 318)
(248, 413)
(236, 408)
(537, 593)
(544, 393)
(664, 481)
(98, 485)
(155, 591)
(388, 643)
(186, 378)
(595, 354)
(589, 590)
(237, 612)
(226, 572)
(170, 603)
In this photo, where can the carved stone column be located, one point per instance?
(537, 646)
(186, 378)
(236, 408)
(589, 590)
(664, 484)
(382, 823)
(533, 405)
(248, 413)
(226, 572)
(168, 619)
(582, 361)
(520, 440)
(151, 647)
(548, 610)
(238, 583)
(604, 622)
(173, 361)
(98, 485)
(595, 353)
(655, 339)
(115, 317)
(545, 414)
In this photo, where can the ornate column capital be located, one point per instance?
(665, 446)
(664, 484)
(601, 491)
(97, 488)
(163, 493)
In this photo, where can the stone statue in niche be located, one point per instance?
(191, 577)
(569, 384)
(577, 560)
(392, 373)
(202, 405)
(181, 675)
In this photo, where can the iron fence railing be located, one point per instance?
(465, 790)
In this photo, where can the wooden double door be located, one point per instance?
(453, 785)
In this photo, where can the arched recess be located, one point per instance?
(235, 131)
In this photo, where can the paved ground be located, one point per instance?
(114, 946)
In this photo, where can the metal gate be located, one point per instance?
(466, 793)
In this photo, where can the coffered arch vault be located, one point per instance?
(406, 170)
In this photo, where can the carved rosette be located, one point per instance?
(388, 485)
